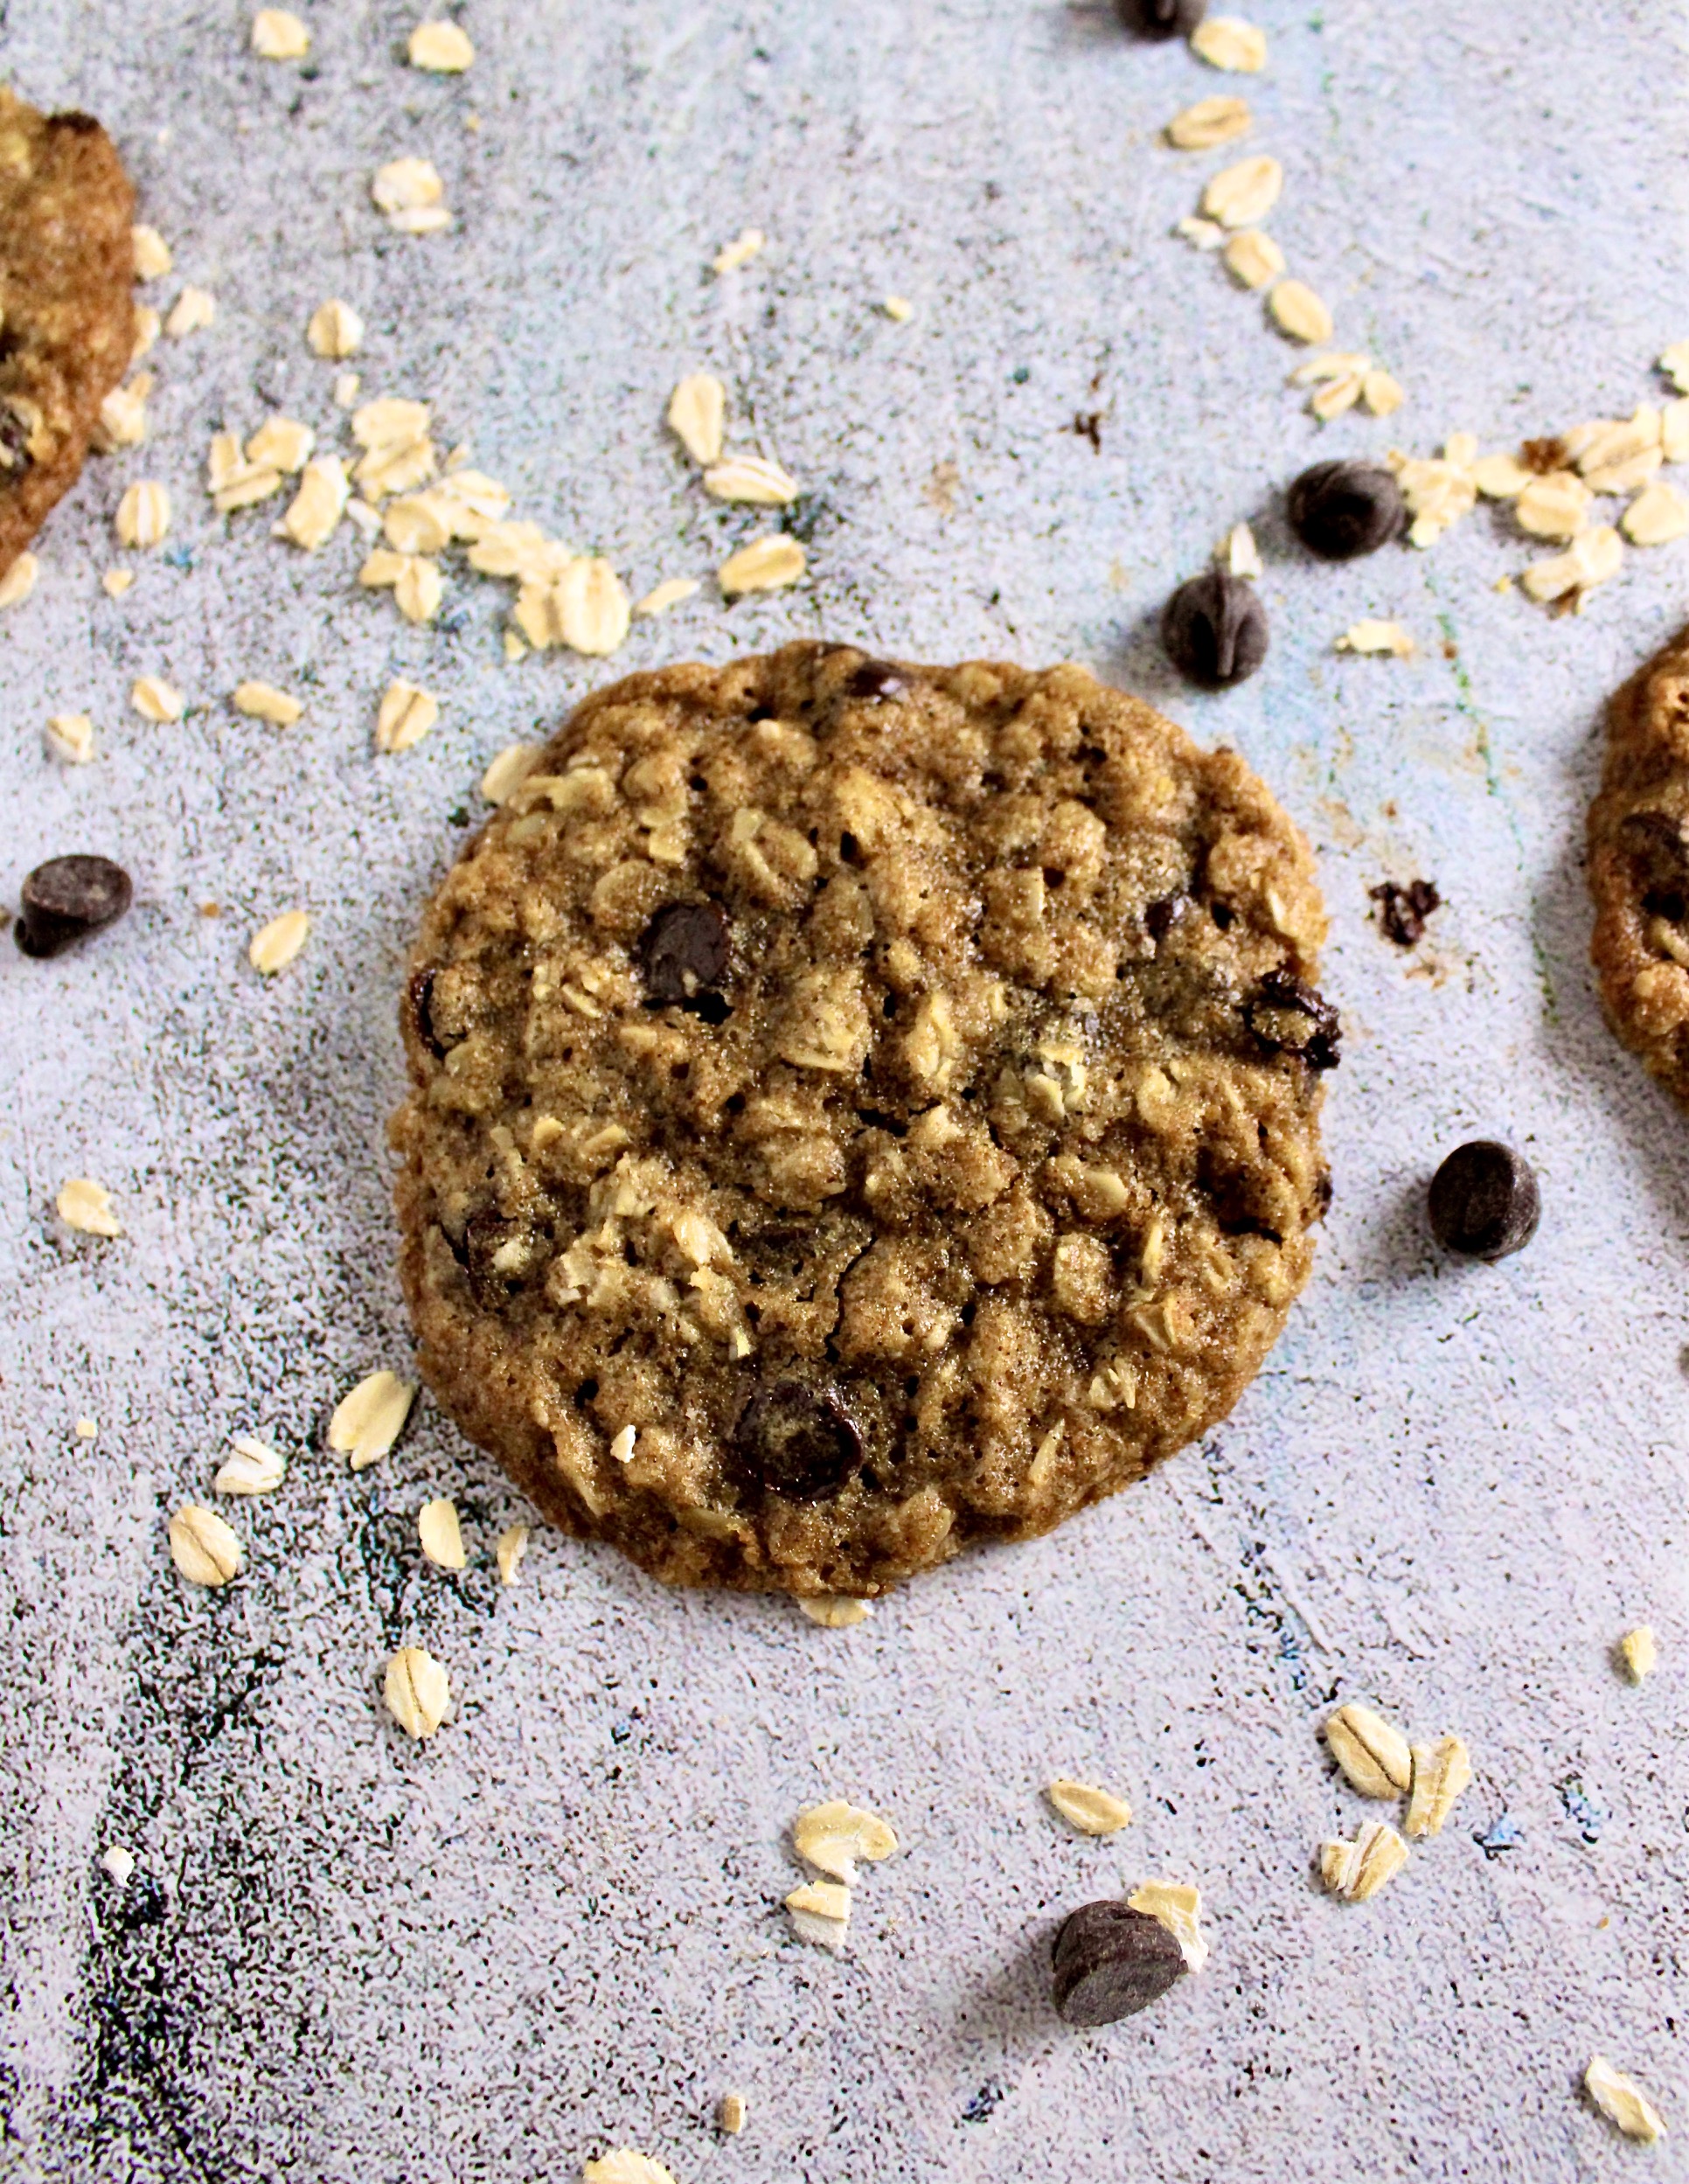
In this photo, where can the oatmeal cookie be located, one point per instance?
(1639, 867)
(67, 306)
(859, 1109)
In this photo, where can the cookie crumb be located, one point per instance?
(441, 49)
(116, 582)
(1178, 1906)
(1375, 638)
(1092, 1811)
(251, 1467)
(511, 1546)
(274, 946)
(119, 1862)
(730, 2113)
(1356, 1870)
(203, 1548)
(86, 1429)
(1623, 2102)
(1227, 42)
(418, 1691)
(278, 34)
(1638, 1653)
(263, 701)
(740, 251)
(442, 1535)
(835, 1611)
(155, 699)
(367, 1423)
(85, 1206)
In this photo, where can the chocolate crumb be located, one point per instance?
(1402, 911)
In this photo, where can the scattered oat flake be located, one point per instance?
(333, 330)
(1657, 514)
(443, 49)
(512, 1545)
(346, 389)
(418, 1691)
(832, 1837)
(750, 478)
(1178, 1906)
(405, 715)
(152, 253)
(1592, 559)
(119, 1863)
(1092, 1811)
(1210, 122)
(1299, 312)
(1376, 637)
(1674, 430)
(509, 770)
(410, 192)
(1372, 1753)
(148, 327)
(203, 1546)
(314, 513)
(277, 35)
(623, 2166)
(669, 593)
(1199, 233)
(144, 514)
(86, 1429)
(418, 523)
(281, 443)
(85, 1206)
(193, 310)
(442, 1535)
(382, 569)
(274, 946)
(592, 607)
(263, 701)
(367, 1423)
(19, 580)
(898, 308)
(123, 414)
(1225, 41)
(1381, 393)
(116, 582)
(1337, 397)
(1241, 196)
(740, 251)
(419, 589)
(251, 1467)
(834, 1612)
(767, 564)
(730, 2112)
(1623, 2102)
(154, 698)
(1638, 1653)
(1359, 1869)
(1556, 507)
(821, 1911)
(1253, 257)
(70, 737)
(1500, 476)
(622, 1445)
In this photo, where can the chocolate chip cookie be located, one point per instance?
(857, 1109)
(67, 306)
(1639, 867)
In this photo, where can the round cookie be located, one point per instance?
(67, 275)
(1639, 867)
(859, 1109)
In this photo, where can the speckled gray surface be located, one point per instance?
(557, 1928)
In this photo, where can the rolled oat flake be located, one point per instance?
(1340, 511)
(1484, 1201)
(68, 898)
(1111, 1962)
(1216, 630)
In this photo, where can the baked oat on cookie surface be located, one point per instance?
(67, 309)
(1639, 867)
(859, 1109)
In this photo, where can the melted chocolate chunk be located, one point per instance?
(1165, 912)
(1402, 911)
(1111, 1962)
(418, 994)
(484, 1235)
(877, 678)
(67, 897)
(797, 1441)
(683, 955)
(1289, 1017)
(1342, 510)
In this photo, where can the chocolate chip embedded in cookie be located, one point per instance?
(1639, 867)
(67, 309)
(859, 1109)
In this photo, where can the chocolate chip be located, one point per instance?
(15, 457)
(1342, 510)
(1402, 911)
(1214, 629)
(1484, 1201)
(1165, 912)
(67, 897)
(1161, 19)
(797, 1441)
(1659, 860)
(683, 952)
(877, 678)
(419, 995)
(1111, 1962)
(1289, 1017)
(74, 123)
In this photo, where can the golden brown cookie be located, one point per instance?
(859, 1109)
(1639, 867)
(67, 306)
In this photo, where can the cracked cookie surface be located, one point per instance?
(66, 304)
(1639, 867)
(859, 1109)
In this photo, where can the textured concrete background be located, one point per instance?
(556, 1929)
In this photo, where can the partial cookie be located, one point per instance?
(1639, 867)
(67, 306)
(859, 1109)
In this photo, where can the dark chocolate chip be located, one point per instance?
(1342, 510)
(1165, 912)
(67, 897)
(1660, 859)
(1484, 1201)
(1161, 19)
(877, 678)
(419, 995)
(1214, 629)
(683, 952)
(1402, 911)
(15, 457)
(1111, 1962)
(76, 124)
(797, 1441)
(1289, 1017)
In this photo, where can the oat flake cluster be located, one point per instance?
(857, 1109)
